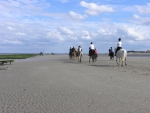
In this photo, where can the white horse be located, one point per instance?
(122, 55)
(79, 54)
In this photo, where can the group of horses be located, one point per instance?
(75, 54)
(78, 54)
(121, 55)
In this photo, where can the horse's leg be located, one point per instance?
(80, 58)
(122, 63)
(89, 58)
(92, 58)
(117, 61)
(75, 55)
(72, 55)
(125, 61)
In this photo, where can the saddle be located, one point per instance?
(92, 52)
(118, 48)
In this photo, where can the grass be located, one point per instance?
(17, 56)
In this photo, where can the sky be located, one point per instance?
(32, 26)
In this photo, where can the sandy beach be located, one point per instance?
(56, 84)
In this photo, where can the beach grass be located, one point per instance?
(17, 56)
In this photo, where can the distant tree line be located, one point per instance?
(132, 51)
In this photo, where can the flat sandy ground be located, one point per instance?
(56, 84)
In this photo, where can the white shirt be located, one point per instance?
(92, 46)
(79, 49)
(119, 44)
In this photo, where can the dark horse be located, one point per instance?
(92, 55)
(111, 54)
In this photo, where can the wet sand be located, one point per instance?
(56, 84)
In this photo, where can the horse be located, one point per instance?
(73, 55)
(111, 54)
(122, 55)
(79, 55)
(93, 55)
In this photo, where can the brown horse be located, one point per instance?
(93, 55)
(73, 55)
(111, 54)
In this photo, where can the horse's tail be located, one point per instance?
(123, 55)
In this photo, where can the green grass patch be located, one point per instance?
(17, 56)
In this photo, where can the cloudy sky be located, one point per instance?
(31, 26)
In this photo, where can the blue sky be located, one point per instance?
(31, 26)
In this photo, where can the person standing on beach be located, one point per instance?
(119, 45)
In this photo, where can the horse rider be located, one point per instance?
(110, 51)
(91, 48)
(79, 50)
(70, 51)
(73, 49)
(119, 45)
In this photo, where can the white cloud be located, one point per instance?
(65, 31)
(20, 33)
(143, 9)
(55, 36)
(76, 16)
(141, 20)
(133, 33)
(22, 8)
(85, 35)
(136, 16)
(93, 9)
(10, 28)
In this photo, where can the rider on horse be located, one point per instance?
(91, 49)
(110, 51)
(70, 51)
(79, 50)
(119, 45)
(73, 49)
